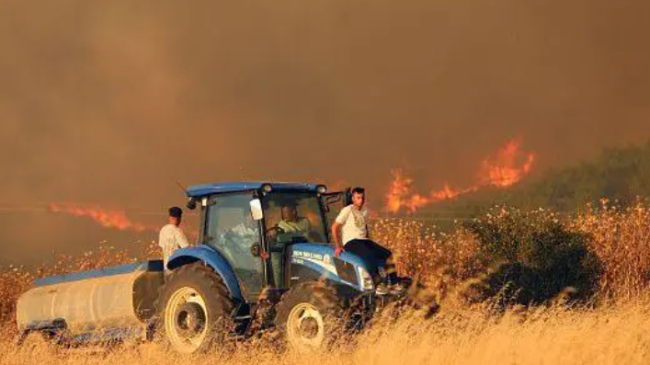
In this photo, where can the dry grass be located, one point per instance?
(616, 331)
(620, 238)
(470, 336)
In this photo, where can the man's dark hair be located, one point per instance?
(359, 190)
(289, 203)
(175, 212)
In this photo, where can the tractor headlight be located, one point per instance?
(365, 279)
(321, 189)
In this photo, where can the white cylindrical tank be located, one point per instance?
(115, 298)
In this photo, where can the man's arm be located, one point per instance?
(336, 233)
(365, 217)
(336, 228)
(340, 220)
(181, 239)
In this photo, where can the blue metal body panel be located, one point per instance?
(326, 249)
(324, 274)
(156, 265)
(197, 191)
(211, 257)
(320, 266)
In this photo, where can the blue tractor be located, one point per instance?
(251, 272)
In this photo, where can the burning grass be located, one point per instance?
(602, 255)
(507, 167)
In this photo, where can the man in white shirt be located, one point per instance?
(171, 237)
(351, 225)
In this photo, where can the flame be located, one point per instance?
(400, 194)
(107, 218)
(500, 170)
(398, 190)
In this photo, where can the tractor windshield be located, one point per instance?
(293, 218)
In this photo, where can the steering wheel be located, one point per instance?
(277, 230)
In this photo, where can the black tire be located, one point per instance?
(310, 316)
(195, 309)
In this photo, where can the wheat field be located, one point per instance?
(612, 326)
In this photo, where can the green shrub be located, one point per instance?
(535, 257)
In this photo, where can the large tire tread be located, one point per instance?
(211, 286)
(322, 296)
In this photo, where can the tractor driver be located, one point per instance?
(291, 222)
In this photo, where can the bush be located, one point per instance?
(534, 256)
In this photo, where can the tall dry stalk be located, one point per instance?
(620, 238)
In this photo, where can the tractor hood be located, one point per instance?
(310, 261)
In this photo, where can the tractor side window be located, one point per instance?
(232, 231)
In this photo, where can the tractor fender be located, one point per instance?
(210, 257)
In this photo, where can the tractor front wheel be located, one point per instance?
(310, 316)
(195, 309)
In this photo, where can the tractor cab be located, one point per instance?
(256, 227)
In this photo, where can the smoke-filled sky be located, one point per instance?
(110, 102)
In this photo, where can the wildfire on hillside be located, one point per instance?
(112, 218)
(107, 218)
(502, 170)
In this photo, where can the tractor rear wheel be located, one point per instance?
(310, 316)
(195, 309)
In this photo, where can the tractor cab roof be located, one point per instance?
(198, 191)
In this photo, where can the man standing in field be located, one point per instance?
(351, 225)
(171, 237)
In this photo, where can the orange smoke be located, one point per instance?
(107, 218)
(501, 170)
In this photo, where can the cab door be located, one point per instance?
(231, 230)
(333, 203)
